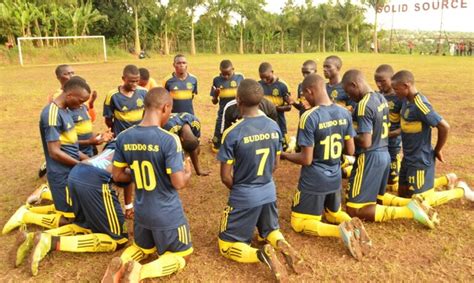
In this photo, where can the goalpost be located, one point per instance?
(47, 38)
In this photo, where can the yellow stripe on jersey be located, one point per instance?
(421, 105)
(129, 116)
(176, 139)
(83, 127)
(363, 104)
(276, 100)
(359, 175)
(68, 197)
(53, 115)
(410, 127)
(108, 98)
(182, 94)
(227, 131)
(175, 129)
(120, 164)
(196, 125)
(68, 137)
(228, 92)
(296, 198)
(230, 162)
(394, 117)
(305, 116)
(225, 218)
(346, 138)
(420, 178)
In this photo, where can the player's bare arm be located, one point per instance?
(349, 147)
(195, 160)
(305, 157)
(226, 175)
(363, 140)
(180, 179)
(54, 150)
(443, 129)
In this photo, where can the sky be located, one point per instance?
(419, 14)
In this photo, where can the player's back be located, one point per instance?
(178, 120)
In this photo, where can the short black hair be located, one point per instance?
(337, 61)
(310, 64)
(312, 80)
(157, 97)
(59, 69)
(265, 67)
(225, 64)
(384, 68)
(144, 74)
(250, 92)
(178, 56)
(131, 70)
(76, 82)
(352, 75)
(404, 76)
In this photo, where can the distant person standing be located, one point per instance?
(410, 46)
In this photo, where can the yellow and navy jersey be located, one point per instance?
(394, 106)
(152, 154)
(371, 116)
(301, 98)
(125, 111)
(178, 120)
(151, 84)
(182, 92)
(56, 124)
(252, 145)
(417, 118)
(228, 88)
(83, 125)
(277, 93)
(338, 95)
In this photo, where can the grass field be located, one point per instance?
(404, 250)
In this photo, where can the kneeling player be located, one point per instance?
(250, 148)
(324, 131)
(155, 159)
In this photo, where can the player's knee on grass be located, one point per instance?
(366, 212)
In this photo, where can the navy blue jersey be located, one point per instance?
(178, 120)
(83, 125)
(416, 121)
(277, 92)
(56, 124)
(301, 98)
(228, 88)
(371, 116)
(182, 91)
(152, 154)
(338, 95)
(394, 106)
(251, 145)
(125, 111)
(325, 128)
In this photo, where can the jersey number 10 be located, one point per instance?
(145, 177)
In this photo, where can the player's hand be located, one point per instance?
(283, 155)
(187, 164)
(217, 91)
(439, 155)
(92, 99)
(96, 140)
(107, 135)
(129, 213)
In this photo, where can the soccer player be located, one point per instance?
(368, 179)
(145, 80)
(123, 106)
(249, 154)
(325, 130)
(155, 159)
(309, 67)
(418, 164)
(278, 93)
(98, 213)
(331, 67)
(223, 90)
(188, 128)
(182, 86)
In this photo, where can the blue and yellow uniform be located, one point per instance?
(228, 92)
(277, 92)
(338, 95)
(372, 165)
(418, 163)
(252, 145)
(394, 143)
(56, 124)
(83, 125)
(325, 128)
(301, 99)
(178, 120)
(125, 111)
(182, 91)
(152, 154)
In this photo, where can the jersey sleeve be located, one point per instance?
(119, 158)
(108, 106)
(195, 86)
(174, 156)
(52, 125)
(426, 112)
(226, 151)
(214, 85)
(306, 129)
(364, 118)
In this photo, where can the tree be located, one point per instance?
(375, 4)
(324, 13)
(191, 6)
(218, 14)
(248, 11)
(347, 13)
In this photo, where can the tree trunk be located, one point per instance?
(348, 43)
(262, 51)
(376, 48)
(137, 34)
(218, 41)
(167, 44)
(319, 41)
(302, 41)
(324, 40)
(55, 33)
(193, 43)
(38, 32)
(241, 46)
(282, 42)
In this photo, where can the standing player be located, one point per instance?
(249, 154)
(223, 90)
(123, 106)
(324, 132)
(418, 164)
(145, 80)
(368, 179)
(308, 68)
(155, 159)
(278, 93)
(182, 86)
(331, 67)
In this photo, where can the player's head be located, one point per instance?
(331, 66)
(64, 73)
(249, 93)
(314, 89)
(403, 83)
(130, 77)
(383, 78)
(77, 92)
(354, 84)
(309, 67)
(227, 69)
(189, 141)
(158, 101)
(144, 76)
(180, 64)
(265, 70)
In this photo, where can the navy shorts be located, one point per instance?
(368, 178)
(176, 240)
(62, 197)
(238, 224)
(418, 179)
(96, 205)
(312, 204)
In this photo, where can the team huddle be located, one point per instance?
(379, 140)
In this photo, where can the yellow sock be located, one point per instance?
(441, 182)
(46, 194)
(165, 265)
(68, 230)
(312, 225)
(43, 220)
(435, 198)
(240, 252)
(274, 237)
(337, 217)
(384, 213)
(44, 209)
(96, 242)
(392, 200)
(346, 171)
(135, 253)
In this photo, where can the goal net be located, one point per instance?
(61, 49)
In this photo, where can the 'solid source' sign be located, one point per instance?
(423, 6)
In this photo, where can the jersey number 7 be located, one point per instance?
(265, 152)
